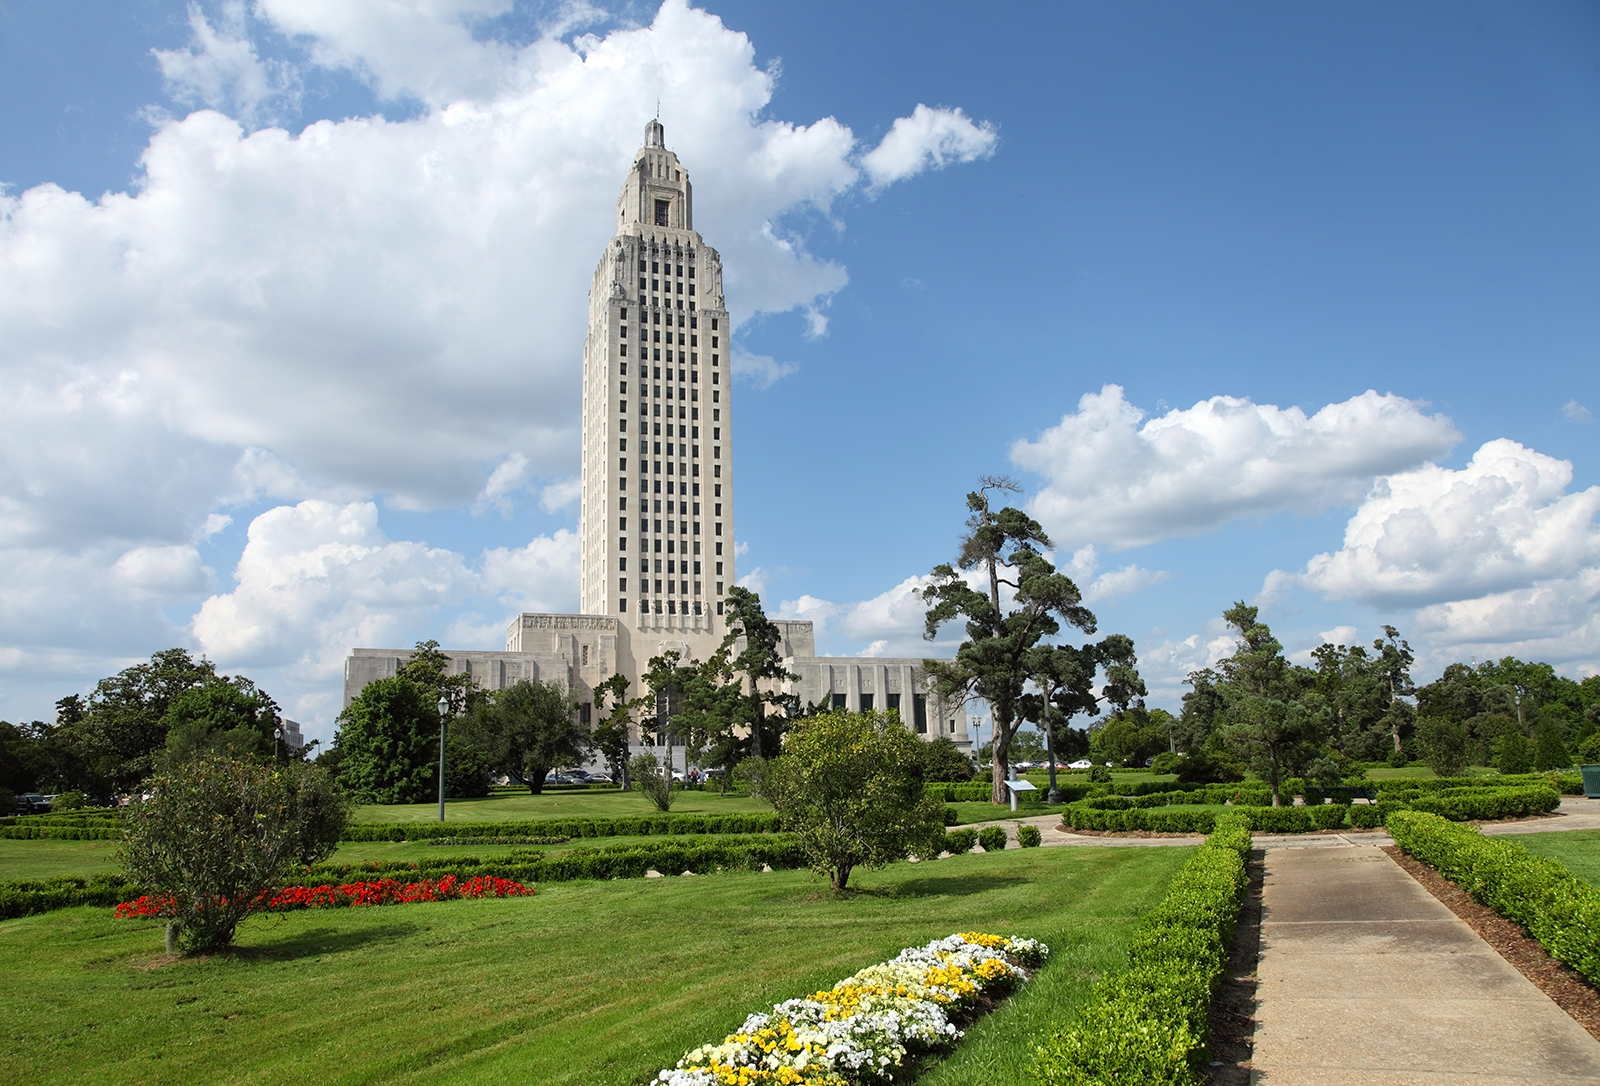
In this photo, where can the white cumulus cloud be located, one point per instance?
(1116, 478)
(929, 138)
(1438, 534)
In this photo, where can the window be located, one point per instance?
(919, 712)
(719, 564)
(622, 606)
(622, 424)
(838, 701)
(654, 266)
(694, 321)
(714, 338)
(624, 369)
(622, 388)
(893, 702)
(717, 493)
(585, 711)
(713, 324)
(622, 526)
(662, 207)
(624, 316)
(641, 265)
(719, 588)
(866, 703)
(714, 374)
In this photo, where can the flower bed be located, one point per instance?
(377, 892)
(864, 1029)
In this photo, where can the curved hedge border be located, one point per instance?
(1554, 905)
(643, 826)
(1149, 1023)
(25, 897)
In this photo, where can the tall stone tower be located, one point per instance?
(657, 512)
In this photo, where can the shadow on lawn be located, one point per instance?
(950, 886)
(315, 942)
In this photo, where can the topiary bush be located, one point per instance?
(1029, 837)
(992, 838)
(958, 841)
(1148, 1025)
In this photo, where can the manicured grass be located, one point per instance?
(1578, 850)
(595, 983)
(513, 807)
(45, 858)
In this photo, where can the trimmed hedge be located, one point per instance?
(644, 826)
(63, 833)
(1148, 1025)
(28, 896)
(1567, 784)
(1080, 816)
(1029, 837)
(1469, 804)
(1543, 896)
(992, 838)
(627, 862)
(958, 841)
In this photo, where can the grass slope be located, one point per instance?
(1579, 850)
(594, 983)
(43, 858)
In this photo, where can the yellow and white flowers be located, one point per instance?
(861, 1030)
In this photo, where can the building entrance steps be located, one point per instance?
(1365, 977)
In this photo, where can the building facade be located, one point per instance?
(656, 523)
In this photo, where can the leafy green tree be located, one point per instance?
(537, 728)
(1444, 744)
(387, 743)
(223, 714)
(731, 706)
(220, 832)
(1202, 712)
(1512, 752)
(943, 761)
(1549, 752)
(613, 731)
(1268, 714)
(119, 732)
(652, 781)
(849, 786)
(992, 663)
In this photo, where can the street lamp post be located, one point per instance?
(444, 715)
(277, 739)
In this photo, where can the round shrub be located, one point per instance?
(958, 841)
(1366, 816)
(1029, 836)
(992, 838)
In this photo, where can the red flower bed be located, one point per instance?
(377, 892)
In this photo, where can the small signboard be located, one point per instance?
(1018, 786)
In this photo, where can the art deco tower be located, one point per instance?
(657, 515)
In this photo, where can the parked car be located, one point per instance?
(1081, 763)
(599, 778)
(33, 803)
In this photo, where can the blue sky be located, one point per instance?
(327, 342)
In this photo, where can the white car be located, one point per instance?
(1081, 763)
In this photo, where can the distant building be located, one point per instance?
(656, 522)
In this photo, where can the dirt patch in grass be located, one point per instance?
(1560, 982)
(1233, 1008)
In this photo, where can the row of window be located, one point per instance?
(655, 267)
(654, 285)
(683, 431)
(682, 509)
(654, 336)
(655, 318)
(680, 588)
(673, 566)
(655, 390)
(655, 409)
(672, 607)
(682, 450)
(674, 527)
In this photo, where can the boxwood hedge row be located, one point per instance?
(1548, 900)
(1148, 1024)
(643, 826)
(28, 896)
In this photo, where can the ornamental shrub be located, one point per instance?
(1543, 896)
(849, 786)
(992, 838)
(958, 841)
(1148, 1025)
(1366, 816)
(1029, 837)
(218, 832)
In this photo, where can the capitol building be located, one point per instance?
(657, 518)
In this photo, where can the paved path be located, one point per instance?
(1365, 977)
(1575, 813)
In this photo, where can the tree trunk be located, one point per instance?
(1001, 758)
(172, 936)
(1276, 802)
(841, 875)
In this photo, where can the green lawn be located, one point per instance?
(43, 858)
(594, 983)
(1579, 850)
(515, 807)
(1418, 771)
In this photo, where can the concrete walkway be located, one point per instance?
(1365, 977)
